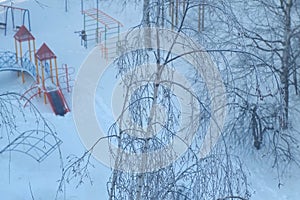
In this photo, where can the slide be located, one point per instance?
(58, 102)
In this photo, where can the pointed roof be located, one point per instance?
(44, 53)
(23, 34)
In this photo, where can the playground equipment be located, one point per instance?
(24, 13)
(37, 142)
(44, 57)
(46, 81)
(98, 27)
(39, 147)
(23, 35)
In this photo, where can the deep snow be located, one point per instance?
(51, 24)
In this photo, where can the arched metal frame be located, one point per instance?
(37, 146)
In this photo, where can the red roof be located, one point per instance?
(23, 34)
(44, 53)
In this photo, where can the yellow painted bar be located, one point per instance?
(17, 57)
(36, 68)
(29, 48)
(33, 41)
(23, 79)
(56, 71)
(37, 75)
(37, 72)
(43, 77)
(35, 58)
(36, 64)
(16, 47)
(51, 73)
(45, 98)
(20, 50)
(43, 82)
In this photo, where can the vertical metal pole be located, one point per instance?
(105, 47)
(23, 18)
(28, 18)
(97, 21)
(6, 13)
(66, 5)
(84, 28)
(13, 17)
(84, 22)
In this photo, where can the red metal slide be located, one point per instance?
(58, 102)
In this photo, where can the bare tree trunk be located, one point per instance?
(286, 61)
(163, 14)
(295, 79)
(146, 22)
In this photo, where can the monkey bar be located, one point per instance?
(99, 26)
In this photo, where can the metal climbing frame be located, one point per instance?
(38, 146)
(8, 63)
(99, 26)
(24, 13)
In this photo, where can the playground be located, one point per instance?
(51, 81)
(39, 66)
(39, 61)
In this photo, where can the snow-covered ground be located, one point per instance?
(52, 25)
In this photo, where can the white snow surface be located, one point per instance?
(52, 25)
